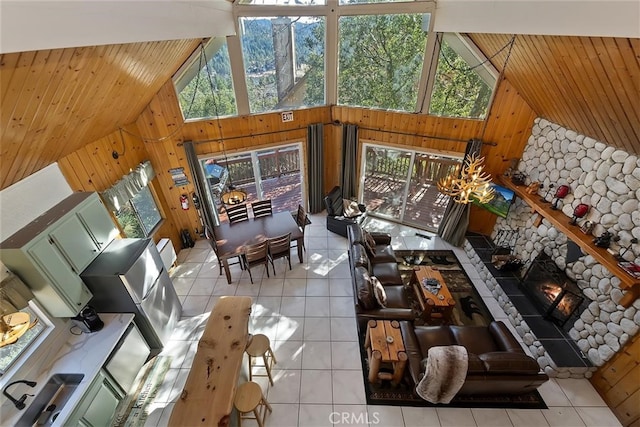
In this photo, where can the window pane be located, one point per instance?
(128, 220)
(381, 60)
(11, 352)
(284, 61)
(463, 85)
(145, 206)
(197, 83)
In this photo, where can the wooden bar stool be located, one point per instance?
(249, 399)
(260, 346)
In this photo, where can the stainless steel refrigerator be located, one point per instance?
(129, 277)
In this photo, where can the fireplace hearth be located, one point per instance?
(554, 294)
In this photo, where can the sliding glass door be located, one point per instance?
(400, 184)
(273, 173)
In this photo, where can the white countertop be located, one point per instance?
(80, 354)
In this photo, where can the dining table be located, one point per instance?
(231, 238)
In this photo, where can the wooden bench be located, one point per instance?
(207, 397)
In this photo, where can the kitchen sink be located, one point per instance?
(50, 400)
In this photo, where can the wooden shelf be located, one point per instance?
(561, 222)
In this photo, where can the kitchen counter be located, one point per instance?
(80, 354)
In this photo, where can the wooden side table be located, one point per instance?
(433, 306)
(384, 344)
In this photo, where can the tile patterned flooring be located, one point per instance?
(308, 314)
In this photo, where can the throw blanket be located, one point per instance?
(445, 372)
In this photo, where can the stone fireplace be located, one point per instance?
(556, 296)
(608, 180)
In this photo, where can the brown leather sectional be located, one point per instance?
(497, 362)
(383, 265)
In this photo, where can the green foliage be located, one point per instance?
(129, 222)
(380, 60)
(196, 98)
(458, 91)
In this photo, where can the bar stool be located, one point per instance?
(249, 399)
(259, 345)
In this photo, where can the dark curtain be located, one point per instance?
(349, 156)
(207, 206)
(456, 217)
(315, 167)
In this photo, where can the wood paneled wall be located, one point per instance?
(618, 382)
(93, 168)
(163, 128)
(56, 101)
(589, 84)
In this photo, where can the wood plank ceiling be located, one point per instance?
(588, 84)
(57, 101)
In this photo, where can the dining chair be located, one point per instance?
(280, 247)
(214, 246)
(262, 208)
(254, 255)
(237, 213)
(302, 219)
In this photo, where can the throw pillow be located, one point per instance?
(369, 240)
(350, 208)
(378, 292)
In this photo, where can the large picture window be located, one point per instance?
(463, 83)
(283, 61)
(208, 71)
(380, 60)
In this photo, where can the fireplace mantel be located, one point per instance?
(561, 222)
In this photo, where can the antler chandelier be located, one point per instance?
(471, 184)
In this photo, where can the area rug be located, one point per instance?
(133, 410)
(469, 310)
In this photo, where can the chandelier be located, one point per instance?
(471, 184)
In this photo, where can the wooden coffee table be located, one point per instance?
(384, 344)
(433, 306)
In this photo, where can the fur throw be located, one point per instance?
(445, 372)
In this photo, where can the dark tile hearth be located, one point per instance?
(555, 339)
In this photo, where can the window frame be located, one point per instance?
(332, 11)
(158, 209)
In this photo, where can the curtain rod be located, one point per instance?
(335, 123)
(441, 138)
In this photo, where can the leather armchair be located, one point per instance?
(336, 222)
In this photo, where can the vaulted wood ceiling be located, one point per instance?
(588, 84)
(57, 101)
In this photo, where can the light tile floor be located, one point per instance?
(308, 314)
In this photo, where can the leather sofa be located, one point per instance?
(336, 221)
(383, 265)
(497, 362)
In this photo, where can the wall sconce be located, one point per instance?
(561, 193)
(579, 212)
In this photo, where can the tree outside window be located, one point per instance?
(380, 60)
(463, 83)
(140, 215)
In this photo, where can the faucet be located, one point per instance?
(19, 402)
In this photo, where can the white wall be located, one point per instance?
(26, 200)
(605, 18)
(27, 25)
